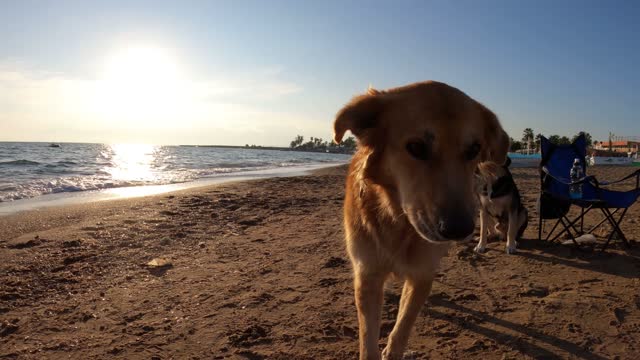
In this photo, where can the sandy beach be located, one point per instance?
(257, 270)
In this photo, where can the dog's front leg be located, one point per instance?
(512, 232)
(368, 291)
(484, 230)
(414, 294)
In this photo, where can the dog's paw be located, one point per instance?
(511, 249)
(480, 249)
(387, 355)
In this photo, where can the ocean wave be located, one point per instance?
(38, 187)
(87, 167)
(19, 163)
(61, 185)
(217, 171)
(66, 163)
(242, 165)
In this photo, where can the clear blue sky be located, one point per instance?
(263, 71)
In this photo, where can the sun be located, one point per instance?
(140, 83)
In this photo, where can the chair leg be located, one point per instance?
(552, 230)
(606, 244)
(583, 212)
(540, 228)
(615, 227)
(604, 219)
(568, 227)
(622, 235)
(570, 224)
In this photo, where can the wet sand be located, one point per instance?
(257, 270)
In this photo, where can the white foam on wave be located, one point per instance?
(30, 170)
(112, 193)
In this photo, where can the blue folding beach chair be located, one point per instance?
(555, 202)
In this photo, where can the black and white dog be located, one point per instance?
(501, 211)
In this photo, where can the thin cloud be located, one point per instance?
(41, 105)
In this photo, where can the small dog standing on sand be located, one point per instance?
(501, 211)
(411, 189)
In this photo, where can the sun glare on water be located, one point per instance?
(135, 164)
(131, 162)
(140, 83)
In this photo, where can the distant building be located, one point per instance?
(625, 146)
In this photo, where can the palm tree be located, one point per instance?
(527, 137)
(537, 140)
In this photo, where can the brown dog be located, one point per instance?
(410, 190)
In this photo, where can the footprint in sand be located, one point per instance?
(71, 243)
(465, 297)
(334, 262)
(326, 282)
(619, 314)
(92, 228)
(535, 291)
(261, 299)
(25, 244)
(253, 335)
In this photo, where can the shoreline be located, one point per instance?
(125, 192)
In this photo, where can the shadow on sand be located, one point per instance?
(618, 262)
(514, 341)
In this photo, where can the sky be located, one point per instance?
(260, 72)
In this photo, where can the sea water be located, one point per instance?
(32, 170)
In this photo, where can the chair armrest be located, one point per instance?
(584, 179)
(635, 173)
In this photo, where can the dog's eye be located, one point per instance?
(472, 151)
(419, 149)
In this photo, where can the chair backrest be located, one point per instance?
(558, 160)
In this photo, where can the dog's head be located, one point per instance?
(488, 172)
(423, 142)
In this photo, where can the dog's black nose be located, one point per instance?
(456, 226)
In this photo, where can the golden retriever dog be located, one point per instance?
(410, 191)
(502, 213)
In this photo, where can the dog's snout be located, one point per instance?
(456, 226)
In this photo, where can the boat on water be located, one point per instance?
(54, 145)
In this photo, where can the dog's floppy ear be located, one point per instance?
(360, 116)
(496, 139)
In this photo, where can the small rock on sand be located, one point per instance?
(159, 262)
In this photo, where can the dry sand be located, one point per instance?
(257, 270)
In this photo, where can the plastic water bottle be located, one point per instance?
(575, 190)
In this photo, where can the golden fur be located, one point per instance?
(410, 189)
